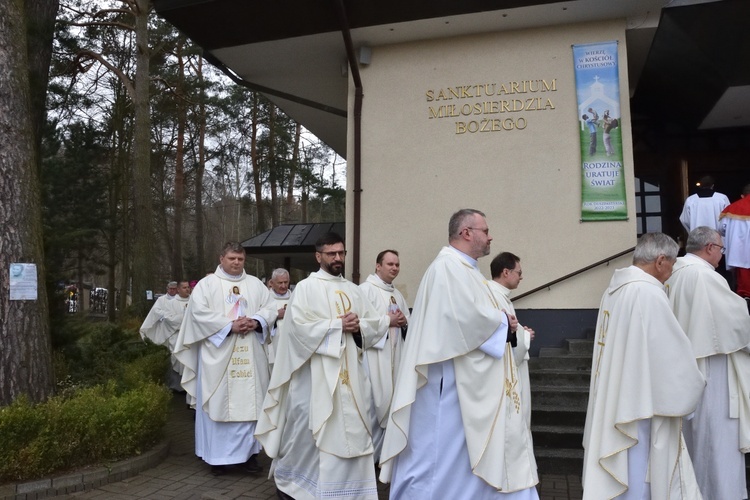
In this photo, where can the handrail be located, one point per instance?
(574, 273)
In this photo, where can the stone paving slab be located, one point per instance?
(172, 471)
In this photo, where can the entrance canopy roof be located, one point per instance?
(291, 245)
(698, 68)
(293, 50)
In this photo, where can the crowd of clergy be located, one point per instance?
(342, 384)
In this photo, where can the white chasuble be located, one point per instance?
(233, 367)
(282, 301)
(714, 318)
(383, 358)
(455, 390)
(717, 323)
(315, 420)
(162, 325)
(521, 351)
(642, 369)
(163, 321)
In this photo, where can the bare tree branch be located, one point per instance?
(171, 88)
(104, 12)
(86, 55)
(111, 24)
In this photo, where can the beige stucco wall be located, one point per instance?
(417, 171)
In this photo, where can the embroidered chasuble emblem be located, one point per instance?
(511, 381)
(241, 379)
(600, 342)
(343, 303)
(511, 372)
(393, 331)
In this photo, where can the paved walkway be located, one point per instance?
(184, 476)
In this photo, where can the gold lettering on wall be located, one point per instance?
(477, 116)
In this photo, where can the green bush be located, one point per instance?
(95, 425)
(93, 353)
(111, 402)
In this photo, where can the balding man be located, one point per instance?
(718, 325)
(456, 428)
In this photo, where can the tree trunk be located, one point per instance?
(40, 26)
(124, 182)
(303, 205)
(273, 166)
(143, 255)
(25, 352)
(111, 266)
(179, 174)
(199, 236)
(292, 174)
(79, 279)
(256, 167)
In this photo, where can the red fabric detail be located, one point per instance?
(743, 281)
(740, 207)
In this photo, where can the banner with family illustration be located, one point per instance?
(598, 95)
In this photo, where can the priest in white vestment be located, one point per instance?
(162, 325)
(456, 427)
(644, 379)
(382, 359)
(279, 284)
(717, 323)
(221, 345)
(315, 422)
(507, 273)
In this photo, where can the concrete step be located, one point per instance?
(560, 379)
(560, 361)
(559, 461)
(558, 436)
(569, 396)
(580, 346)
(557, 415)
(553, 352)
(552, 376)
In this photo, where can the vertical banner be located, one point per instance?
(598, 96)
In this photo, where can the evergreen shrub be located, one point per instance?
(91, 353)
(95, 425)
(111, 403)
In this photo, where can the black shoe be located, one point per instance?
(252, 466)
(218, 470)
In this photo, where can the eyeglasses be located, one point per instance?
(486, 230)
(520, 273)
(331, 255)
(721, 247)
